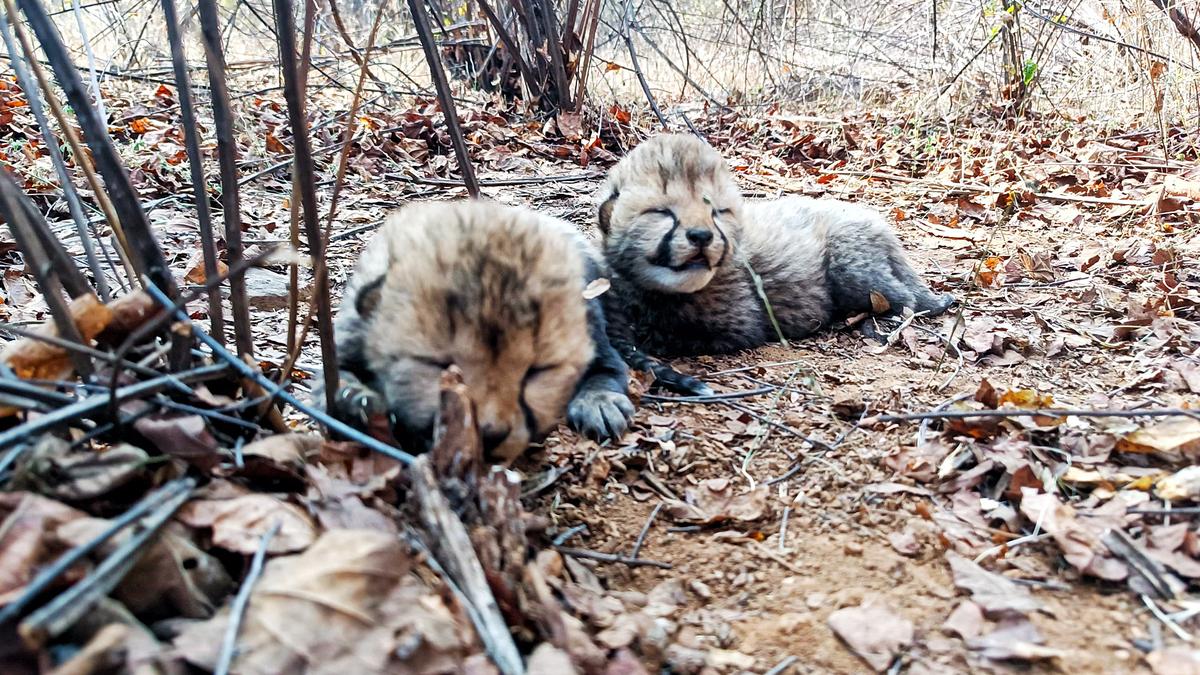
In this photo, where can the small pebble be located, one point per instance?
(700, 588)
(815, 600)
(853, 548)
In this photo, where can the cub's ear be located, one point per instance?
(606, 209)
(368, 298)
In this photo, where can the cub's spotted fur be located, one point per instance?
(496, 291)
(679, 239)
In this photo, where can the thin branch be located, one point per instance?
(227, 156)
(1040, 412)
(195, 164)
(612, 558)
(444, 94)
(147, 257)
(293, 92)
(238, 610)
(637, 68)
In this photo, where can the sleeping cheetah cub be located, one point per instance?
(681, 243)
(497, 291)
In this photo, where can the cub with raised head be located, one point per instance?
(682, 243)
(497, 291)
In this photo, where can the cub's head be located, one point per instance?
(669, 214)
(494, 290)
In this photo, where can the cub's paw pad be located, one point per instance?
(359, 406)
(686, 385)
(600, 414)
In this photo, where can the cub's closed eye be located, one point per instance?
(661, 212)
(534, 371)
(722, 212)
(430, 361)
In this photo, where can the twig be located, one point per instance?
(815, 442)
(304, 171)
(191, 141)
(1168, 621)
(787, 511)
(641, 538)
(227, 157)
(782, 666)
(94, 404)
(444, 94)
(237, 611)
(565, 535)
(63, 611)
(74, 204)
(612, 558)
(627, 21)
(1040, 412)
(147, 257)
(250, 373)
(13, 205)
(48, 574)
(712, 398)
(455, 553)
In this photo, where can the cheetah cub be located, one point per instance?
(497, 291)
(682, 243)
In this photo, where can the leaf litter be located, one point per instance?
(967, 543)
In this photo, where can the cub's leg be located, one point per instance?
(620, 333)
(600, 408)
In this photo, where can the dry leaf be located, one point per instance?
(997, 596)
(874, 632)
(715, 500)
(596, 288)
(238, 524)
(1173, 439)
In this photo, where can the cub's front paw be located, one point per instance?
(364, 409)
(600, 414)
(673, 380)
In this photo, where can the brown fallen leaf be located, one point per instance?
(346, 605)
(183, 436)
(1015, 639)
(997, 596)
(33, 359)
(1183, 485)
(873, 631)
(28, 537)
(238, 524)
(905, 543)
(715, 500)
(1175, 439)
(1078, 538)
(966, 621)
(52, 469)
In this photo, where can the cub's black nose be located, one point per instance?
(493, 437)
(700, 237)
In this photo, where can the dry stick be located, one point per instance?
(637, 545)
(294, 200)
(321, 268)
(60, 166)
(308, 198)
(612, 558)
(1040, 412)
(590, 27)
(67, 560)
(455, 553)
(191, 141)
(147, 257)
(92, 405)
(250, 373)
(553, 44)
(227, 156)
(986, 189)
(82, 159)
(445, 96)
(511, 45)
(351, 49)
(1182, 23)
(63, 611)
(12, 206)
(238, 610)
(637, 68)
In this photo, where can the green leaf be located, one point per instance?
(1029, 72)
